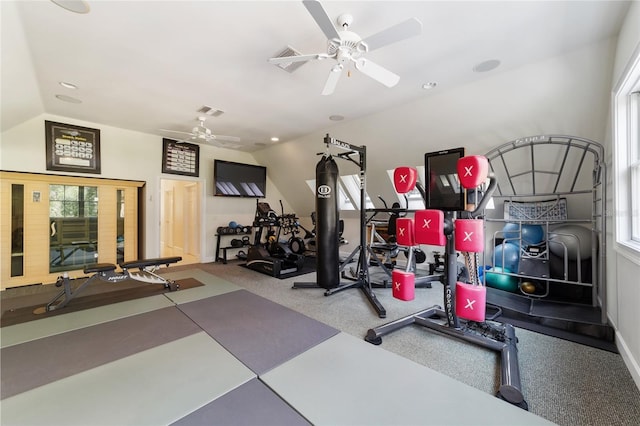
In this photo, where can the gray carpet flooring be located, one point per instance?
(564, 382)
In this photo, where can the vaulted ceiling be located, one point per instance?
(150, 65)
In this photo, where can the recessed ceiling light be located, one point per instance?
(275, 139)
(77, 6)
(69, 99)
(336, 118)
(485, 66)
(68, 85)
(429, 85)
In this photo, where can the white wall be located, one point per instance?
(623, 271)
(137, 156)
(567, 94)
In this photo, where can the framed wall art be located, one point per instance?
(180, 158)
(72, 148)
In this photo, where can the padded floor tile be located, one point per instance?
(43, 361)
(251, 404)
(20, 333)
(346, 381)
(261, 333)
(154, 387)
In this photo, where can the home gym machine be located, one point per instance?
(464, 316)
(107, 272)
(389, 249)
(329, 269)
(272, 257)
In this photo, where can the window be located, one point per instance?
(349, 193)
(352, 184)
(344, 203)
(627, 156)
(634, 161)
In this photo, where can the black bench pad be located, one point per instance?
(99, 267)
(142, 263)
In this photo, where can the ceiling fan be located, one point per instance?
(347, 47)
(201, 133)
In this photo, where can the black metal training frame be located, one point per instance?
(362, 278)
(107, 272)
(491, 335)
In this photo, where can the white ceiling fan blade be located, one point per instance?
(322, 19)
(176, 131)
(377, 72)
(225, 138)
(332, 80)
(409, 28)
(297, 58)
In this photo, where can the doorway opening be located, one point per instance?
(180, 220)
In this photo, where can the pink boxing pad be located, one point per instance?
(404, 179)
(404, 285)
(471, 301)
(404, 232)
(429, 227)
(469, 235)
(473, 170)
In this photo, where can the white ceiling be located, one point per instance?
(149, 65)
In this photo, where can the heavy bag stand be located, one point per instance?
(491, 335)
(362, 279)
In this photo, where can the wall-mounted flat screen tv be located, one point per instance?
(443, 189)
(239, 180)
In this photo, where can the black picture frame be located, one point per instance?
(71, 148)
(180, 158)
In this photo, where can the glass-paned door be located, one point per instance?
(73, 220)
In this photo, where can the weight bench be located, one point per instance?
(107, 272)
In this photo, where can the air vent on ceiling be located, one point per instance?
(289, 66)
(207, 110)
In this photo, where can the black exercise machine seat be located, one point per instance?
(107, 272)
(150, 262)
(99, 267)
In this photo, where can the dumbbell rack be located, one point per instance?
(244, 231)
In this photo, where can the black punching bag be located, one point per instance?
(327, 220)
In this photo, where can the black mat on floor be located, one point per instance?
(262, 334)
(101, 294)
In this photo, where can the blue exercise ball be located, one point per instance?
(524, 234)
(233, 224)
(507, 255)
(532, 234)
(511, 231)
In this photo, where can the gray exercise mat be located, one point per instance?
(250, 404)
(260, 333)
(29, 365)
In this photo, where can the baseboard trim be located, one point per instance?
(629, 360)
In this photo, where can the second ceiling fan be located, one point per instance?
(347, 47)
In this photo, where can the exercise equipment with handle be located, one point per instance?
(458, 229)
